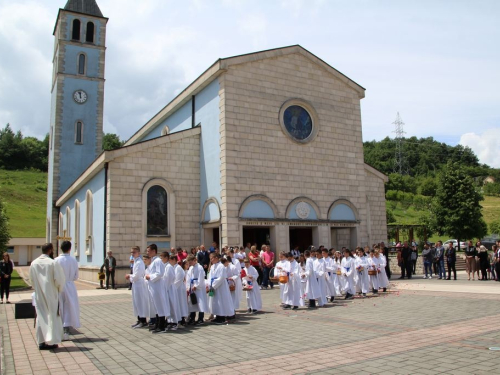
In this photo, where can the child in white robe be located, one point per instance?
(338, 264)
(330, 275)
(152, 309)
(171, 294)
(140, 294)
(348, 274)
(195, 284)
(320, 271)
(303, 279)
(254, 300)
(312, 285)
(281, 269)
(293, 289)
(232, 275)
(361, 264)
(372, 266)
(219, 297)
(383, 281)
(180, 291)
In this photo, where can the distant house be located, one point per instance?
(22, 251)
(489, 180)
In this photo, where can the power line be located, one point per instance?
(399, 162)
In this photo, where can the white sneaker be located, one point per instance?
(425, 277)
(430, 277)
(66, 337)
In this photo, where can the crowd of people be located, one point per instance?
(170, 289)
(434, 258)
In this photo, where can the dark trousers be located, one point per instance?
(192, 316)
(5, 287)
(259, 271)
(112, 275)
(451, 267)
(484, 272)
(406, 270)
(414, 266)
(131, 271)
(265, 278)
(388, 269)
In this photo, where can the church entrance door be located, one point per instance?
(301, 237)
(257, 235)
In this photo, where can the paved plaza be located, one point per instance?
(419, 327)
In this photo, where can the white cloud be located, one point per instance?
(485, 145)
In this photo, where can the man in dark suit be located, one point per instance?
(406, 258)
(109, 266)
(203, 258)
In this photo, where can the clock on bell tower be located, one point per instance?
(76, 121)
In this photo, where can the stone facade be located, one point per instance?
(172, 161)
(257, 158)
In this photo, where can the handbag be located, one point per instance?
(194, 298)
(372, 272)
(101, 276)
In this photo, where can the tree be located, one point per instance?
(456, 208)
(111, 142)
(4, 229)
(495, 227)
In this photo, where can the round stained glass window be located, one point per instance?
(298, 122)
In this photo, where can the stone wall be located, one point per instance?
(175, 159)
(258, 158)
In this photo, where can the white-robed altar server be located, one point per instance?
(48, 280)
(219, 297)
(234, 278)
(195, 283)
(383, 281)
(254, 299)
(373, 264)
(171, 294)
(180, 291)
(152, 309)
(320, 271)
(293, 288)
(330, 275)
(348, 274)
(281, 269)
(68, 298)
(361, 264)
(337, 260)
(140, 294)
(157, 289)
(312, 286)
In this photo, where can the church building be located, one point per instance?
(261, 148)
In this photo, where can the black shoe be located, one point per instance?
(332, 299)
(130, 288)
(190, 322)
(135, 324)
(399, 278)
(249, 310)
(384, 290)
(448, 278)
(44, 346)
(254, 311)
(295, 308)
(287, 307)
(199, 322)
(141, 325)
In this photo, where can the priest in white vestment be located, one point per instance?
(68, 298)
(47, 278)
(140, 294)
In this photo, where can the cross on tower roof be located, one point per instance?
(84, 6)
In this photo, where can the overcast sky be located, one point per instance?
(436, 62)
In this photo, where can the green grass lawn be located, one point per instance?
(491, 209)
(16, 281)
(25, 196)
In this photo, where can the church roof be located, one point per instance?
(221, 65)
(84, 6)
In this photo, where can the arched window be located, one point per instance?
(157, 214)
(89, 36)
(76, 239)
(68, 222)
(60, 229)
(88, 223)
(75, 35)
(79, 132)
(81, 64)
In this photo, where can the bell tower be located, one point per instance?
(76, 119)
